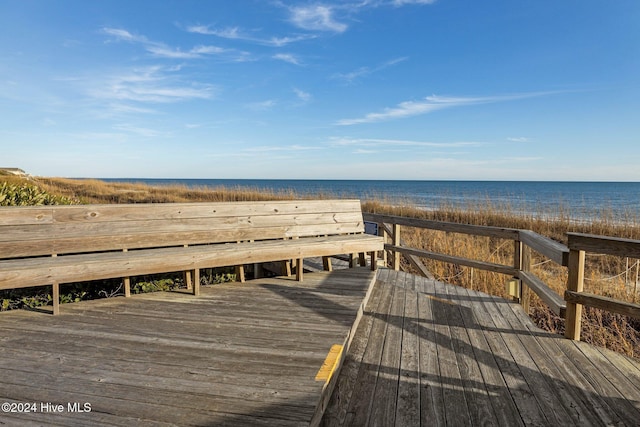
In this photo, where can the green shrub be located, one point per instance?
(153, 286)
(28, 195)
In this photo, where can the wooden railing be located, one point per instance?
(524, 242)
(579, 245)
(568, 306)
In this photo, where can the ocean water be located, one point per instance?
(619, 201)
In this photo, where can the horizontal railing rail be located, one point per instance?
(579, 245)
(525, 241)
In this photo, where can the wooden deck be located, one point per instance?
(424, 353)
(239, 354)
(427, 354)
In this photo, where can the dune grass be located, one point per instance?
(605, 275)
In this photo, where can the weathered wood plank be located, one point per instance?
(85, 267)
(588, 407)
(479, 230)
(575, 283)
(555, 302)
(342, 394)
(627, 389)
(606, 399)
(498, 268)
(408, 406)
(504, 408)
(605, 303)
(545, 246)
(455, 400)
(183, 370)
(360, 406)
(604, 245)
(25, 215)
(560, 388)
(148, 211)
(385, 397)
(519, 341)
(432, 403)
(477, 397)
(528, 408)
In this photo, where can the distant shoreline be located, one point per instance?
(582, 201)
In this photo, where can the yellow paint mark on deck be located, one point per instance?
(330, 363)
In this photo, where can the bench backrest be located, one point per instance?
(47, 230)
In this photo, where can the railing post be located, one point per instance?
(525, 292)
(382, 231)
(574, 283)
(396, 242)
(517, 264)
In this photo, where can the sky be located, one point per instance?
(369, 89)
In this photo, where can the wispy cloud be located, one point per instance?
(302, 95)
(323, 17)
(272, 148)
(389, 143)
(176, 53)
(431, 104)
(316, 18)
(518, 139)
(235, 33)
(162, 50)
(148, 85)
(287, 57)
(262, 105)
(140, 131)
(397, 3)
(365, 71)
(124, 35)
(406, 2)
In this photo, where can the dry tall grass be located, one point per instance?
(96, 191)
(611, 276)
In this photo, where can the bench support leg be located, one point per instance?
(55, 297)
(196, 281)
(187, 280)
(126, 284)
(240, 273)
(286, 268)
(299, 268)
(352, 261)
(374, 261)
(326, 263)
(362, 259)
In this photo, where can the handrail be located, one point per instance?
(525, 241)
(481, 265)
(451, 227)
(575, 296)
(572, 256)
(553, 250)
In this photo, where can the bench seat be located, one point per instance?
(22, 273)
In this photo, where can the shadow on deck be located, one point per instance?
(424, 353)
(237, 355)
(427, 354)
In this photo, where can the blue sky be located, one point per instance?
(370, 89)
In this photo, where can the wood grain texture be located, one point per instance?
(604, 303)
(110, 241)
(452, 227)
(479, 360)
(551, 249)
(239, 354)
(604, 245)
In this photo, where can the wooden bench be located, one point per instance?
(50, 245)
